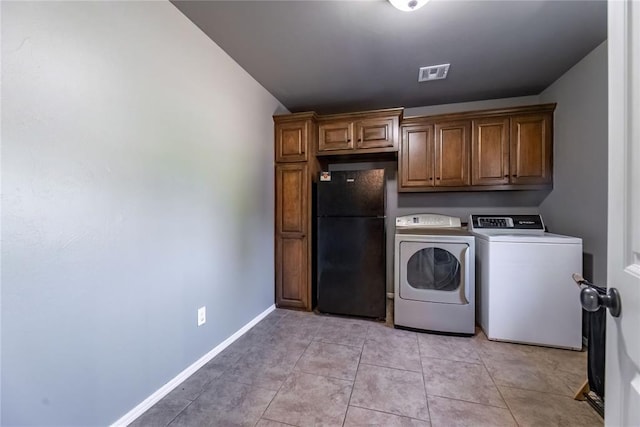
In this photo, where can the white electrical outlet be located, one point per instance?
(202, 316)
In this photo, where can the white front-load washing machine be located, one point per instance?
(434, 277)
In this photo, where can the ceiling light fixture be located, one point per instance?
(408, 5)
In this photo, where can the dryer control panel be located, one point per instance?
(427, 221)
(518, 223)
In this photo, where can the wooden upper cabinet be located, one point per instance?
(435, 155)
(291, 142)
(416, 157)
(503, 149)
(531, 149)
(490, 151)
(336, 135)
(377, 133)
(295, 136)
(514, 150)
(356, 133)
(452, 149)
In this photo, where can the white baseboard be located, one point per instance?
(143, 406)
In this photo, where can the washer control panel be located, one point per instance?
(427, 221)
(485, 222)
(506, 222)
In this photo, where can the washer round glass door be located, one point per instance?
(433, 271)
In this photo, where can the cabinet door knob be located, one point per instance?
(438, 178)
(430, 179)
(506, 176)
(348, 139)
(514, 175)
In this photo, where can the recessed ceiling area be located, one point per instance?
(339, 56)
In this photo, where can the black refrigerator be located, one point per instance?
(350, 243)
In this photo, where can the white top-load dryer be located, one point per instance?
(524, 289)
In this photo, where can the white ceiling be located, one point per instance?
(336, 56)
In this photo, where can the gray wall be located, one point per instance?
(578, 203)
(137, 186)
(472, 106)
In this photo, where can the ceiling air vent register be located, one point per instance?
(433, 72)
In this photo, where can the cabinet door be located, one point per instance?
(377, 133)
(292, 278)
(452, 141)
(293, 287)
(490, 151)
(292, 181)
(336, 135)
(531, 149)
(416, 158)
(292, 141)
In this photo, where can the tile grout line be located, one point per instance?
(178, 414)
(337, 343)
(522, 388)
(395, 368)
(468, 401)
(324, 376)
(536, 391)
(452, 360)
(353, 387)
(380, 411)
(275, 421)
(218, 377)
(424, 383)
(498, 389)
(481, 363)
(285, 380)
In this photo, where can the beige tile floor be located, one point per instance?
(305, 369)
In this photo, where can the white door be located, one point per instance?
(622, 384)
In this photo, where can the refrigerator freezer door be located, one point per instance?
(351, 266)
(352, 193)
